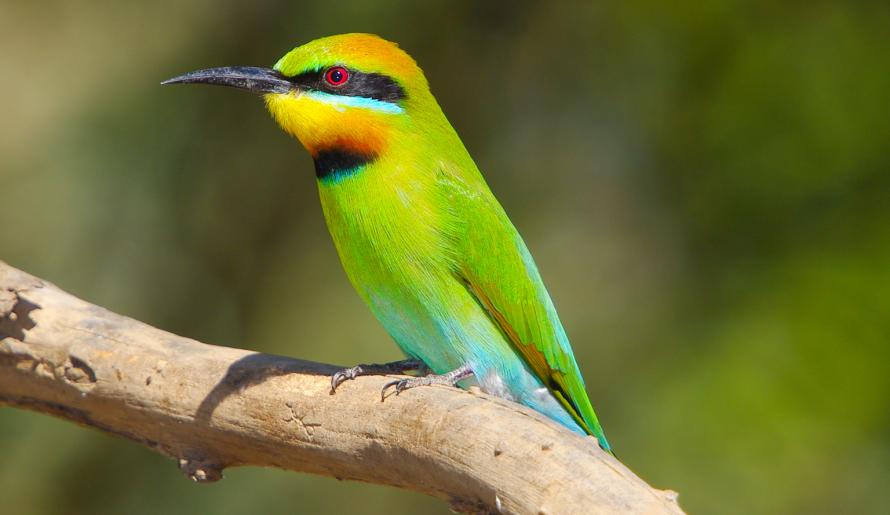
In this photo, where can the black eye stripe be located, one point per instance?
(360, 84)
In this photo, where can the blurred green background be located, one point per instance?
(706, 189)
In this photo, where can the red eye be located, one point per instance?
(336, 76)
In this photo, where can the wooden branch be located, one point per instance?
(213, 407)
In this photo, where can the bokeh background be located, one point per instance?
(705, 187)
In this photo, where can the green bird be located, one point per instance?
(420, 235)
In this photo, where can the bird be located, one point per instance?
(422, 238)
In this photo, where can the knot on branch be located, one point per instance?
(201, 470)
(78, 373)
(15, 314)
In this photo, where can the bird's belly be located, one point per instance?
(421, 316)
(421, 304)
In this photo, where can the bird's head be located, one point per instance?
(347, 98)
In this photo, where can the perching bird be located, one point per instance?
(422, 238)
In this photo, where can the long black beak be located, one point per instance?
(258, 80)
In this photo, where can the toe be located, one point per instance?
(341, 376)
(386, 387)
(336, 379)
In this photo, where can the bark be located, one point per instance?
(210, 407)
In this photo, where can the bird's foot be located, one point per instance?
(449, 379)
(396, 367)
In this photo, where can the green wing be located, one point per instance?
(499, 270)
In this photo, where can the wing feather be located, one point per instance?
(499, 271)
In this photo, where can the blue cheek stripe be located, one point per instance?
(343, 101)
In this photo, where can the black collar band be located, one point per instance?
(334, 162)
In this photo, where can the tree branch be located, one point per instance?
(213, 407)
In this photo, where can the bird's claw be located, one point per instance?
(341, 376)
(400, 386)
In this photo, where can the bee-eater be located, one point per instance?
(422, 238)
